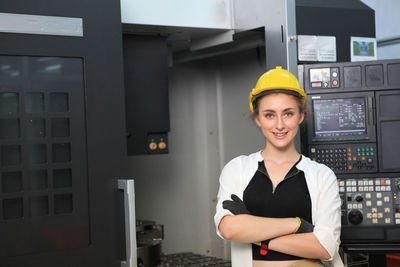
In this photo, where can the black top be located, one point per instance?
(290, 198)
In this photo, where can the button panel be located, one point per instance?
(324, 78)
(346, 158)
(370, 201)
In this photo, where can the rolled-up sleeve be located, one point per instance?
(327, 221)
(228, 184)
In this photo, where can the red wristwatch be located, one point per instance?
(264, 247)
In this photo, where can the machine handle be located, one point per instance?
(128, 186)
(371, 111)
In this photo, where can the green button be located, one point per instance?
(358, 149)
(372, 149)
(367, 149)
(367, 154)
(372, 153)
(362, 153)
(363, 149)
(358, 154)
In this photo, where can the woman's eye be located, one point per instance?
(289, 114)
(269, 115)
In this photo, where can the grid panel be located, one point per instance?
(43, 176)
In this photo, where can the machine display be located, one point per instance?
(339, 117)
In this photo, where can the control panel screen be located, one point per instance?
(320, 75)
(324, 78)
(336, 118)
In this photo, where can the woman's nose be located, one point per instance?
(280, 124)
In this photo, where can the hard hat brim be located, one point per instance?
(259, 92)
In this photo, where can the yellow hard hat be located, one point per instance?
(276, 79)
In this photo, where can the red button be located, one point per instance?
(382, 181)
(335, 82)
(398, 210)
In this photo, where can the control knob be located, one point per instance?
(359, 198)
(355, 217)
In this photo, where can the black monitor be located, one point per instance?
(341, 117)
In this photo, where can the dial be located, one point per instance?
(355, 217)
(359, 198)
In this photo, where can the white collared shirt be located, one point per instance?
(325, 203)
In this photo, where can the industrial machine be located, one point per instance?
(353, 128)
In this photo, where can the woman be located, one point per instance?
(290, 213)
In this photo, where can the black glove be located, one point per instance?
(236, 205)
(304, 226)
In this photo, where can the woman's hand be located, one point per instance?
(236, 205)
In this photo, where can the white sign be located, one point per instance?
(326, 47)
(307, 48)
(316, 48)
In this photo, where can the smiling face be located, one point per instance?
(279, 118)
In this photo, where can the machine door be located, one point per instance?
(62, 136)
(388, 113)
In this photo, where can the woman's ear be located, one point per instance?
(257, 120)
(301, 117)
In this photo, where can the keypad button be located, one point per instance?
(371, 188)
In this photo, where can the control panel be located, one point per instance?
(352, 130)
(346, 158)
(324, 78)
(370, 201)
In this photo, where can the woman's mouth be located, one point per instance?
(280, 135)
